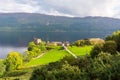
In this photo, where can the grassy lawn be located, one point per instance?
(79, 51)
(56, 54)
(50, 56)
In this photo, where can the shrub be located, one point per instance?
(66, 72)
(110, 47)
(13, 61)
(15, 73)
(82, 42)
(96, 50)
(2, 68)
(115, 37)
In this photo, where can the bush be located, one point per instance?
(103, 67)
(96, 50)
(110, 47)
(2, 68)
(34, 50)
(13, 61)
(66, 72)
(115, 37)
(82, 42)
(15, 73)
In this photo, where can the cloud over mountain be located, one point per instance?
(79, 8)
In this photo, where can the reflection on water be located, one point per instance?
(20, 39)
(4, 50)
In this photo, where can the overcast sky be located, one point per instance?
(71, 8)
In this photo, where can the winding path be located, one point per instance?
(69, 51)
(39, 56)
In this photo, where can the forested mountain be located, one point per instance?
(20, 25)
(40, 22)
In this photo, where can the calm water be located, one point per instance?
(4, 50)
(18, 40)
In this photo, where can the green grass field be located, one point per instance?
(80, 51)
(56, 54)
(50, 56)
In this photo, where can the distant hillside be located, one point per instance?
(14, 25)
(40, 22)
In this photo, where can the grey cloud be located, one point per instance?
(79, 8)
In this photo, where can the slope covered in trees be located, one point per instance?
(22, 27)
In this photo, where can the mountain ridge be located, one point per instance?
(20, 28)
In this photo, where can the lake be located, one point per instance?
(18, 40)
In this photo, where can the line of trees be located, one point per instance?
(111, 45)
(103, 63)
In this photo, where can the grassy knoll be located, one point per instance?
(79, 51)
(50, 56)
(56, 54)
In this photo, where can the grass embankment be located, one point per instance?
(56, 55)
(50, 56)
(80, 51)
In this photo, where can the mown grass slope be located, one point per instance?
(50, 56)
(80, 51)
(56, 55)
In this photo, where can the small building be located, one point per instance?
(54, 43)
(66, 43)
(37, 41)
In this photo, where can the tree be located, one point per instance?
(2, 68)
(110, 47)
(82, 42)
(96, 50)
(13, 61)
(116, 38)
(34, 50)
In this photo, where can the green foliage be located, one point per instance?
(82, 42)
(96, 50)
(2, 68)
(15, 73)
(116, 37)
(34, 50)
(13, 61)
(66, 72)
(104, 67)
(104, 57)
(110, 47)
(108, 38)
(57, 54)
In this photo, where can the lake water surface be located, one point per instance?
(18, 40)
(4, 50)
